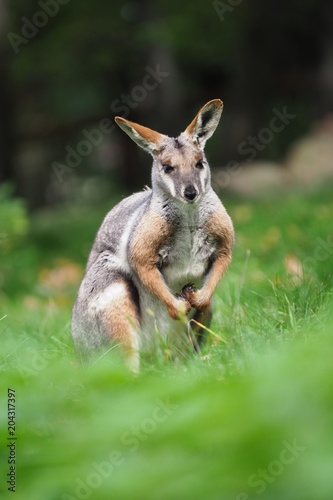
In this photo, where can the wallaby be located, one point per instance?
(158, 253)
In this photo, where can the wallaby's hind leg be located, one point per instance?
(204, 318)
(117, 310)
(199, 318)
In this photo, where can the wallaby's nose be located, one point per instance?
(190, 192)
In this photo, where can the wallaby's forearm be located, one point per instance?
(218, 226)
(154, 281)
(200, 299)
(152, 231)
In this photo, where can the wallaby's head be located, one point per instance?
(180, 169)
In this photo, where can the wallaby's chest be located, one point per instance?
(186, 257)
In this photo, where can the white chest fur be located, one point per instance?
(186, 257)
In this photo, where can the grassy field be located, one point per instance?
(250, 417)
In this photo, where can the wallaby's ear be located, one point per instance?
(146, 138)
(204, 124)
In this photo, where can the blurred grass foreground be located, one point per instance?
(251, 417)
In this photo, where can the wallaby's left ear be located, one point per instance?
(204, 124)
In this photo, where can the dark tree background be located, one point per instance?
(67, 67)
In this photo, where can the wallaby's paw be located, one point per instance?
(197, 298)
(187, 291)
(180, 309)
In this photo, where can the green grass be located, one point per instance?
(251, 416)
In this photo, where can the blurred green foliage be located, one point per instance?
(14, 222)
(249, 417)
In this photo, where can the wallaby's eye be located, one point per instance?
(168, 169)
(200, 164)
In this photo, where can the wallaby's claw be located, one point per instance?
(196, 298)
(187, 291)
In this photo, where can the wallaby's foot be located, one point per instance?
(202, 315)
(204, 318)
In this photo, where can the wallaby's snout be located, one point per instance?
(190, 193)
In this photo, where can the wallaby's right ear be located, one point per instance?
(144, 137)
